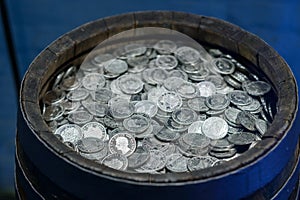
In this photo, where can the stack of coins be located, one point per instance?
(159, 108)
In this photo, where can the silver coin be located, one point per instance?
(137, 64)
(198, 104)
(102, 95)
(97, 109)
(167, 135)
(147, 107)
(122, 143)
(174, 126)
(196, 140)
(122, 109)
(70, 133)
(201, 162)
(196, 127)
(53, 112)
(80, 117)
(167, 62)
(253, 106)
(138, 158)
(78, 94)
(54, 96)
(257, 88)
(133, 50)
(240, 98)
(101, 59)
(70, 83)
(146, 76)
(152, 143)
(222, 144)
(223, 66)
(177, 163)
(184, 116)
(97, 156)
(243, 138)
(179, 74)
(156, 162)
(232, 82)
(115, 161)
(217, 80)
(201, 74)
(116, 66)
(130, 84)
(137, 123)
(187, 55)
(90, 145)
(187, 90)
(206, 88)
(159, 75)
(93, 81)
(239, 76)
(94, 129)
(114, 86)
(217, 102)
(165, 46)
(172, 83)
(169, 101)
(147, 133)
(215, 128)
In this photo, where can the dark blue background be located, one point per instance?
(36, 23)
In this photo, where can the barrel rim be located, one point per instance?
(67, 46)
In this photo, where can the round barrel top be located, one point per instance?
(210, 30)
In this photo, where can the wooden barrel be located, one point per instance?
(46, 168)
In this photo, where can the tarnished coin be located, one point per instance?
(93, 81)
(223, 154)
(97, 109)
(261, 125)
(257, 88)
(54, 96)
(223, 66)
(217, 102)
(198, 104)
(138, 158)
(187, 90)
(177, 163)
(174, 126)
(231, 114)
(102, 95)
(196, 127)
(90, 145)
(70, 83)
(179, 74)
(137, 123)
(243, 138)
(156, 162)
(232, 82)
(222, 144)
(184, 116)
(253, 106)
(133, 50)
(122, 143)
(116, 66)
(206, 88)
(167, 62)
(200, 162)
(215, 128)
(53, 112)
(239, 98)
(80, 117)
(130, 84)
(97, 156)
(169, 101)
(137, 64)
(78, 94)
(247, 120)
(70, 133)
(94, 129)
(146, 107)
(115, 161)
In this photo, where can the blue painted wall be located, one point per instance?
(36, 23)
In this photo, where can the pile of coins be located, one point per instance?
(158, 109)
